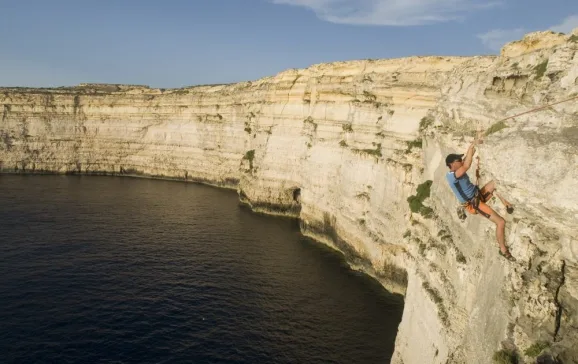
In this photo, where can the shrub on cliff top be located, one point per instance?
(573, 38)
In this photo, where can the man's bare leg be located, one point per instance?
(500, 230)
(489, 189)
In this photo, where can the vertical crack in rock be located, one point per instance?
(5, 112)
(557, 300)
(76, 105)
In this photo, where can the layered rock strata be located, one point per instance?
(342, 146)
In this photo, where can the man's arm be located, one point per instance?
(467, 160)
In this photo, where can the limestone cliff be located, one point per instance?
(342, 146)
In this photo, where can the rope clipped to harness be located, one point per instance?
(475, 203)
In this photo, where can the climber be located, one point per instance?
(473, 198)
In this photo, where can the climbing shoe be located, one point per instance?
(507, 255)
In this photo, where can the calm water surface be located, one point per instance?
(121, 270)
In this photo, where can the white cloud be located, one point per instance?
(567, 25)
(390, 12)
(495, 39)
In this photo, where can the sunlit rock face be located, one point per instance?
(342, 146)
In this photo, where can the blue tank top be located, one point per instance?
(466, 186)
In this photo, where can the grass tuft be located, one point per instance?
(535, 349)
(437, 299)
(413, 144)
(250, 155)
(425, 123)
(505, 357)
(374, 152)
(496, 127)
(540, 69)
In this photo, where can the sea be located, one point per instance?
(97, 269)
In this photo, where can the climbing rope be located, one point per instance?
(478, 170)
(480, 133)
(538, 108)
(479, 137)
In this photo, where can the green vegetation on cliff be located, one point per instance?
(416, 201)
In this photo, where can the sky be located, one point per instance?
(178, 43)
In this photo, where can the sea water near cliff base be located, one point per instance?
(122, 270)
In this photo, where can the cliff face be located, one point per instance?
(342, 146)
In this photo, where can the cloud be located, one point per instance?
(390, 12)
(567, 25)
(495, 39)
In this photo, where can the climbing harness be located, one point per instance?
(473, 202)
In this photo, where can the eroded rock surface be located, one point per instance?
(342, 146)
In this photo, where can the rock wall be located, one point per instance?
(342, 146)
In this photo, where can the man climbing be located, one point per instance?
(473, 198)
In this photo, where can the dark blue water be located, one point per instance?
(121, 270)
